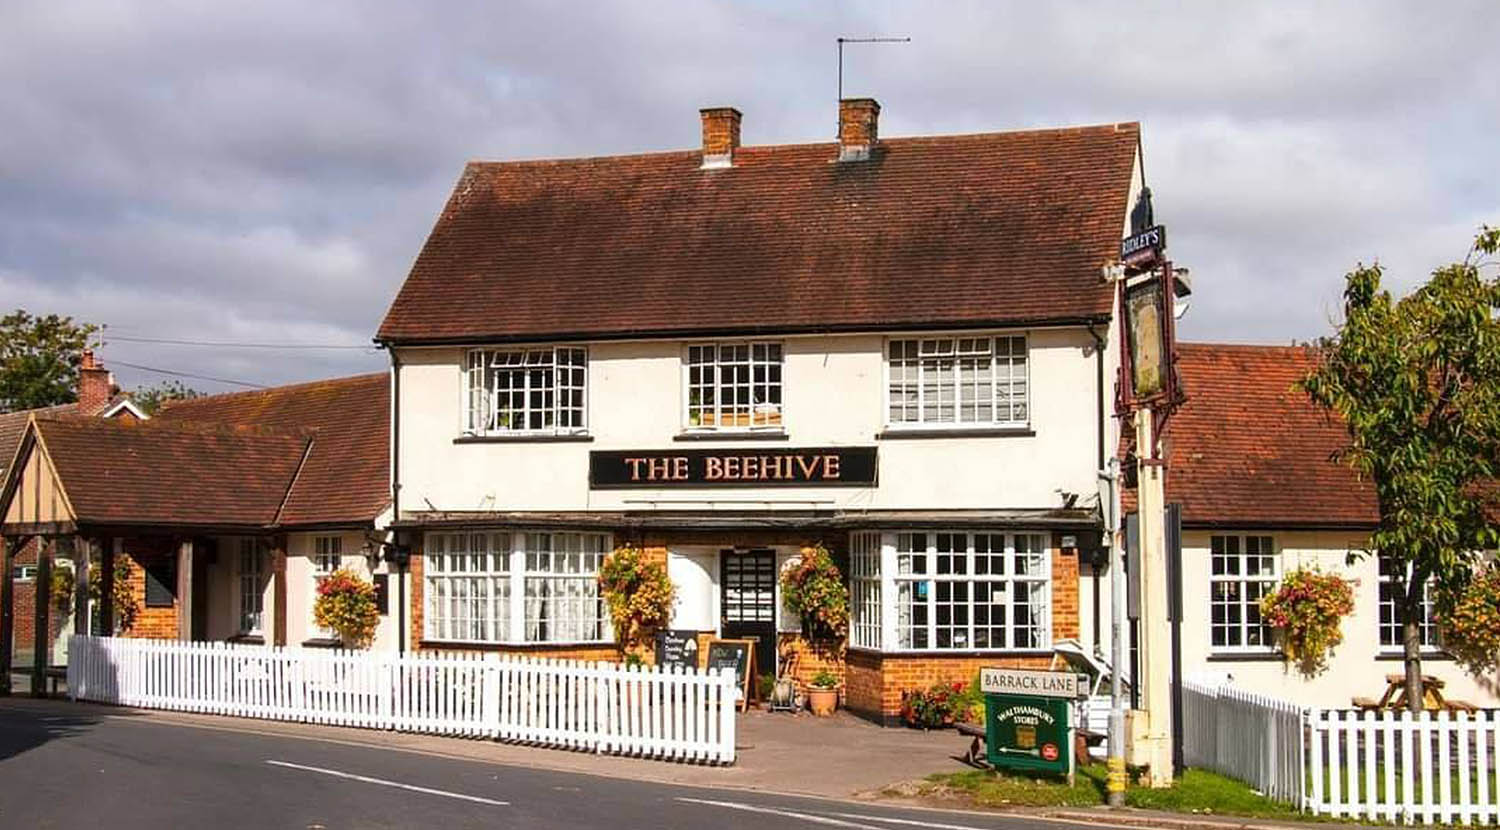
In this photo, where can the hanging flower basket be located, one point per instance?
(639, 594)
(1305, 612)
(813, 588)
(346, 604)
(1468, 620)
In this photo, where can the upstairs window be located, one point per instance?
(535, 390)
(952, 381)
(734, 386)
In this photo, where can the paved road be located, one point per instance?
(89, 768)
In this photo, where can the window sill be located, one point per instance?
(1396, 656)
(954, 652)
(524, 438)
(322, 642)
(471, 645)
(1247, 657)
(899, 433)
(728, 435)
(247, 640)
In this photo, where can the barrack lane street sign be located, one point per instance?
(1034, 683)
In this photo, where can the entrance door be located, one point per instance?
(747, 582)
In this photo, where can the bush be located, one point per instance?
(813, 588)
(1305, 611)
(934, 707)
(638, 592)
(346, 604)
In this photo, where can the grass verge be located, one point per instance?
(1198, 792)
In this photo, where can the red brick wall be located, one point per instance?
(23, 614)
(150, 623)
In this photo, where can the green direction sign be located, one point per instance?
(1024, 732)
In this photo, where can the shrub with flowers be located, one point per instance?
(346, 604)
(813, 588)
(1305, 611)
(125, 606)
(638, 592)
(934, 707)
(1468, 619)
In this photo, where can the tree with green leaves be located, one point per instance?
(152, 398)
(39, 359)
(1417, 383)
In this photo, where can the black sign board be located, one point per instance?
(383, 593)
(737, 467)
(735, 654)
(161, 581)
(1142, 250)
(677, 647)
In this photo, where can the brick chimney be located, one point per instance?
(95, 386)
(721, 135)
(858, 120)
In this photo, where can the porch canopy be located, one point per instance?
(255, 464)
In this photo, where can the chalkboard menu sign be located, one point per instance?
(735, 654)
(677, 647)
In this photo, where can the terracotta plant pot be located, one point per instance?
(822, 702)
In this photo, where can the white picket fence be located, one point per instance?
(1396, 766)
(1250, 737)
(674, 713)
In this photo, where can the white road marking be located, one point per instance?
(911, 822)
(384, 783)
(750, 808)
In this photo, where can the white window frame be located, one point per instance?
(466, 588)
(566, 560)
(1018, 408)
(773, 413)
(327, 557)
(886, 615)
(1262, 583)
(250, 586)
(865, 594)
(1427, 628)
(479, 394)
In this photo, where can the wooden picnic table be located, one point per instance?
(1395, 696)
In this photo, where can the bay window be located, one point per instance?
(734, 386)
(957, 381)
(488, 587)
(526, 391)
(950, 591)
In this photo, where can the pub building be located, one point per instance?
(897, 348)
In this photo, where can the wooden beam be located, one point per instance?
(185, 590)
(8, 547)
(109, 547)
(81, 550)
(41, 604)
(278, 590)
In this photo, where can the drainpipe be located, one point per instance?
(399, 560)
(1099, 341)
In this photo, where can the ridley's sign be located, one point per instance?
(1035, 683)
(821, 466)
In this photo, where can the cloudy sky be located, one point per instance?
(265, 172)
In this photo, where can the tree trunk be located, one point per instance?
(1411, 643)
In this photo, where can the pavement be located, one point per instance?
(68, 764)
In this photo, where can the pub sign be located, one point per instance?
(736, 467)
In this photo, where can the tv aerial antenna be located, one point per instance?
(844, 40)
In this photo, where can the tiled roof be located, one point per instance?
(346, 475)
(154, 473)
(13, 425)
(936, 231)
(1249, 449)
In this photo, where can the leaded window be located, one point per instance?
(734, 386)
(251, 572)
(864, 589)
(532, 390)
(946, 381)
(957, 591)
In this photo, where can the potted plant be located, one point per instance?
(823, 693)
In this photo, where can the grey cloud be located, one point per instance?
(267, 171)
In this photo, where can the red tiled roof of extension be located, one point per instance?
(935, 231)
(13, 426)
(346, 476)
(146, 472)
(1249, 449)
